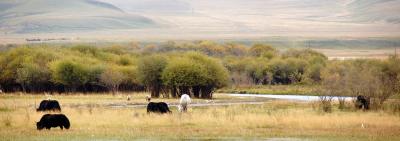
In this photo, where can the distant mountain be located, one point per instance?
(55, 16)
(274, 17)
(202, 18)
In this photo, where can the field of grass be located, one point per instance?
(270, 89)
(287, 120)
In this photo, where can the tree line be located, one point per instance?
(198, 68)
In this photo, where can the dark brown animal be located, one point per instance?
(49, 105)
(53, 120)
(158, 107)
(362, 102)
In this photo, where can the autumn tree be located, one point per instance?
(196, 74)
(263, 50)
(149, 72)
(70, 74)
(112, 78)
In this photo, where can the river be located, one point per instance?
(287, 97)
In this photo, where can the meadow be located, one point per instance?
(92, 118)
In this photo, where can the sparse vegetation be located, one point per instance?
(371, 78)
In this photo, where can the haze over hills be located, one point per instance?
(276, 17)
(199, 19)
(55, 16)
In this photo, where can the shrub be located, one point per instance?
(70, 73)
(112, 78)
(194, 71)
(149, 72)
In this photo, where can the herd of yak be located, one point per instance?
(60, 120)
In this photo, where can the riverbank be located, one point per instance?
(287, 120)
(305, 98)
(271, 89)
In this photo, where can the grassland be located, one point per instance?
(92, 119)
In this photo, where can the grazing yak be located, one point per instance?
(158, 107)
(49, 105)
(53, 120)
(184, 103)
(362, 102)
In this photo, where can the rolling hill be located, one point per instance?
(198, 19)
(316, 18)
(51, 16)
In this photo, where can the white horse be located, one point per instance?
(184, 103)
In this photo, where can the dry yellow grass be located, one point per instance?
(276, 119)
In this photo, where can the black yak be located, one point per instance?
(53, 120)
(362, 102)
(49, 105)
(158, 107)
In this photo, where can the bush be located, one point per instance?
(112, 78)
(262, 50)
(326, 103)
(181, 74)
(287, 71)
(149, 72)
(70, 74)
(195, 72)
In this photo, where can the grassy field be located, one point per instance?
(270, 89)
(92, 119)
